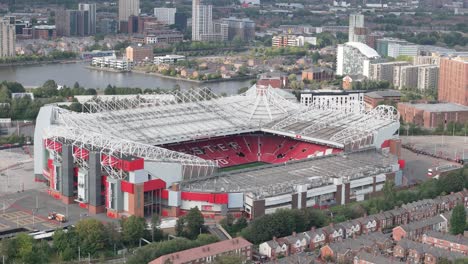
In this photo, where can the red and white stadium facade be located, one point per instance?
(144, 155)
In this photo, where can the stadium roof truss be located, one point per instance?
(134, 125)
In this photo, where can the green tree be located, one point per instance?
(92, 236)
(180, 227)
(458, 220)
(133, 228)
(195, 221)
(389, 192)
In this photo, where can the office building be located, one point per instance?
(44, 32)
(91, 8)
(169, 59)
(375, 98)
(383, 71)
(180, 21)
(428, 78)
(72, 23)
(333, 98)
(139, 53)
(7, 38)
(453, 80)
(242, 28)
(402, 49)
(354, 58)
(382, 45)
(165, 15)
(220, 30)
(420, 60)
(127, 8)
(357, 31)
(318, 74)
(202, 21)
(430, 115)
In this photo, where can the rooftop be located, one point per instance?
(213, 249)
(364, 49)
(448, 237)
(268, 180)
(438, 107)
(383, 94)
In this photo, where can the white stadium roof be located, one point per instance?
(364, 49)
(136, 127)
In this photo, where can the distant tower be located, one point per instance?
(127, 8)
(91, 8)
(202, 20)
(7, 37)
(357, 31)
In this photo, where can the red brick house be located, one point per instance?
(316, 237)
(208, 253)
(446, 241)
(415, 230)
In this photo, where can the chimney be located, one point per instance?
(294, 234)
(365, 214)
(312, 229)
(274, 238)
(331, 224)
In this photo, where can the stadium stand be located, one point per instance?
(242, 149)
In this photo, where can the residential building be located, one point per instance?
(287, 41)
(383, 71)
(208, 253)
(139, 53)
(127, 8)
(7, 38)
(354, 58)
(453, 80)
(422, 60)
(221, 31)
(347, 82)
(168, 59)
(202, 21)
(273, 79)
(366, 258)
(165, 15)
(44, 32)
(333, 98)
(446, 241)
(242, 28)
(431, 115)
(374, 98)
(91, 8)
(402, 49)
(428, 78)
(406, 76)
(357, 31)
(163, 36)
(415, 252)
(318, 74)
(416, 230)
(111, 62)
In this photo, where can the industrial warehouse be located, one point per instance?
(246, 154)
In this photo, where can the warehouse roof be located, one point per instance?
(438, 107)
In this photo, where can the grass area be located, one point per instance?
(243, 166)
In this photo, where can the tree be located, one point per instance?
(133, 228)
(292, 77)
(389, 192)
(92, 236)
(195, 221)
(180, 226)
(458, 220)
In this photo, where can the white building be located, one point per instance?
(333, 98)
(428, 78)
(397, 49)
(354, 58)
(7, 37)
(128, 8)
(165, 15)
(112, 62)
(202, 20)
(356, 28)
(168, 59)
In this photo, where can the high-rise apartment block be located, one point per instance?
(7, 38)
(202, 21)
(357, 31)
(91, 8)
(355, 58)
(127, 8)
(165, 15)
(453, 80)
(384, 71)
(242, 28)
(428, 78)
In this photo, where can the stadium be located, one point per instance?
(246, 154)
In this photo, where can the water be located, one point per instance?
(68, 74)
